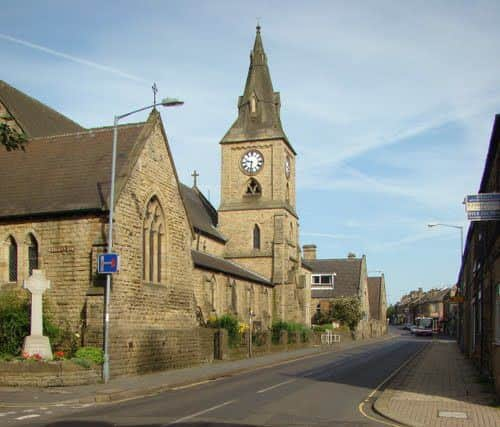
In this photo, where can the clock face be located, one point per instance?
(252, 161)
(287, 166)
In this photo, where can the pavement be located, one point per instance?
(124, 388)
(439, 387)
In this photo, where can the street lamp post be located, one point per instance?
(167, 102)
(459, 227)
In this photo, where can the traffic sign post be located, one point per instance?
(108, 263)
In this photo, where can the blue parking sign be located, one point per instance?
(108, 263)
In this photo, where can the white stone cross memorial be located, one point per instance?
(36, 343)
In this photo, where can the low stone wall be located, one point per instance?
(46, 374)
(262, 344)
(370, 329)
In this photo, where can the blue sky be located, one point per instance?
(389, 104)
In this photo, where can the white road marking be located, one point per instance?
(3, 414)
(197, 414)
(275, 386)
(182, 387)
(25, 417)
(29, 410)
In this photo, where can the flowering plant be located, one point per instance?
(242, 327)
(59, 355)
(34, 356)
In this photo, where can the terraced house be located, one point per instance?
(182, 260)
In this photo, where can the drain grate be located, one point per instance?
(451, 414)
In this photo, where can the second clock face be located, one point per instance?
(252, 161)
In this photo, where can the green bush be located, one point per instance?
(92, 354)
(290, 327)
(85, 363)
(14, 322)
(347, 310)
(15, 313)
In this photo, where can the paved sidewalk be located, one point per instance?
(438, 388)
(144, 385)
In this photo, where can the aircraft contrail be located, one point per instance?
(72, 58)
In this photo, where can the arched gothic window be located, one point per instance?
(153, 253)
(256, 237)
(253, 188)
(32, 253)
(291, 232)
(288, 192)
(12, 259)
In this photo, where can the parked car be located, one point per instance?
(407, 326)
(413, 328)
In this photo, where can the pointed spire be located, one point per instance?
(259, 106)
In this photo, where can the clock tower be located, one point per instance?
(257, 212)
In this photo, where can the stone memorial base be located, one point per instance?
(38, 344)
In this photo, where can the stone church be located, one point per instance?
(182, 260)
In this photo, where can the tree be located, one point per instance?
(391, 311)
(347, 310)
(11, 139)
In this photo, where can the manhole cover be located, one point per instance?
(451, 414)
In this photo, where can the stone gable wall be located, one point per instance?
(206, 244)
(167, 304)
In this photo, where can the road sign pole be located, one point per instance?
(105, 366)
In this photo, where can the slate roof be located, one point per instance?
(64, 173)
(34, 118)
(266, 122)
(374, 291)
(347, 279)
(202, 214)
(215, 263)
(436, 296)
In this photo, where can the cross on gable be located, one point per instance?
(155, 91)
(195, 175)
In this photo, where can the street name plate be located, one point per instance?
(483, 207)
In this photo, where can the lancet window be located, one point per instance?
(154, 242)
(12, 245)
(256, 237)
(32, 253)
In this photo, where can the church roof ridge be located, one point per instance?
(87, 131)
(33, 116)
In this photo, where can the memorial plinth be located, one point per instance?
(36, 343)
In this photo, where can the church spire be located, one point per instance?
(259, 106)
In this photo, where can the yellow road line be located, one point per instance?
(376, 389)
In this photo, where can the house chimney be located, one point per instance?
(309, 251)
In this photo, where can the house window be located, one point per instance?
(256, 237)
(322, 281)
(253, 188)
(32, 254)
(12, 259)
(153, 243)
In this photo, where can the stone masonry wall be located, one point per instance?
(218, 294)
(65, 254)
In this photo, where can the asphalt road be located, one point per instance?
(322, 390)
